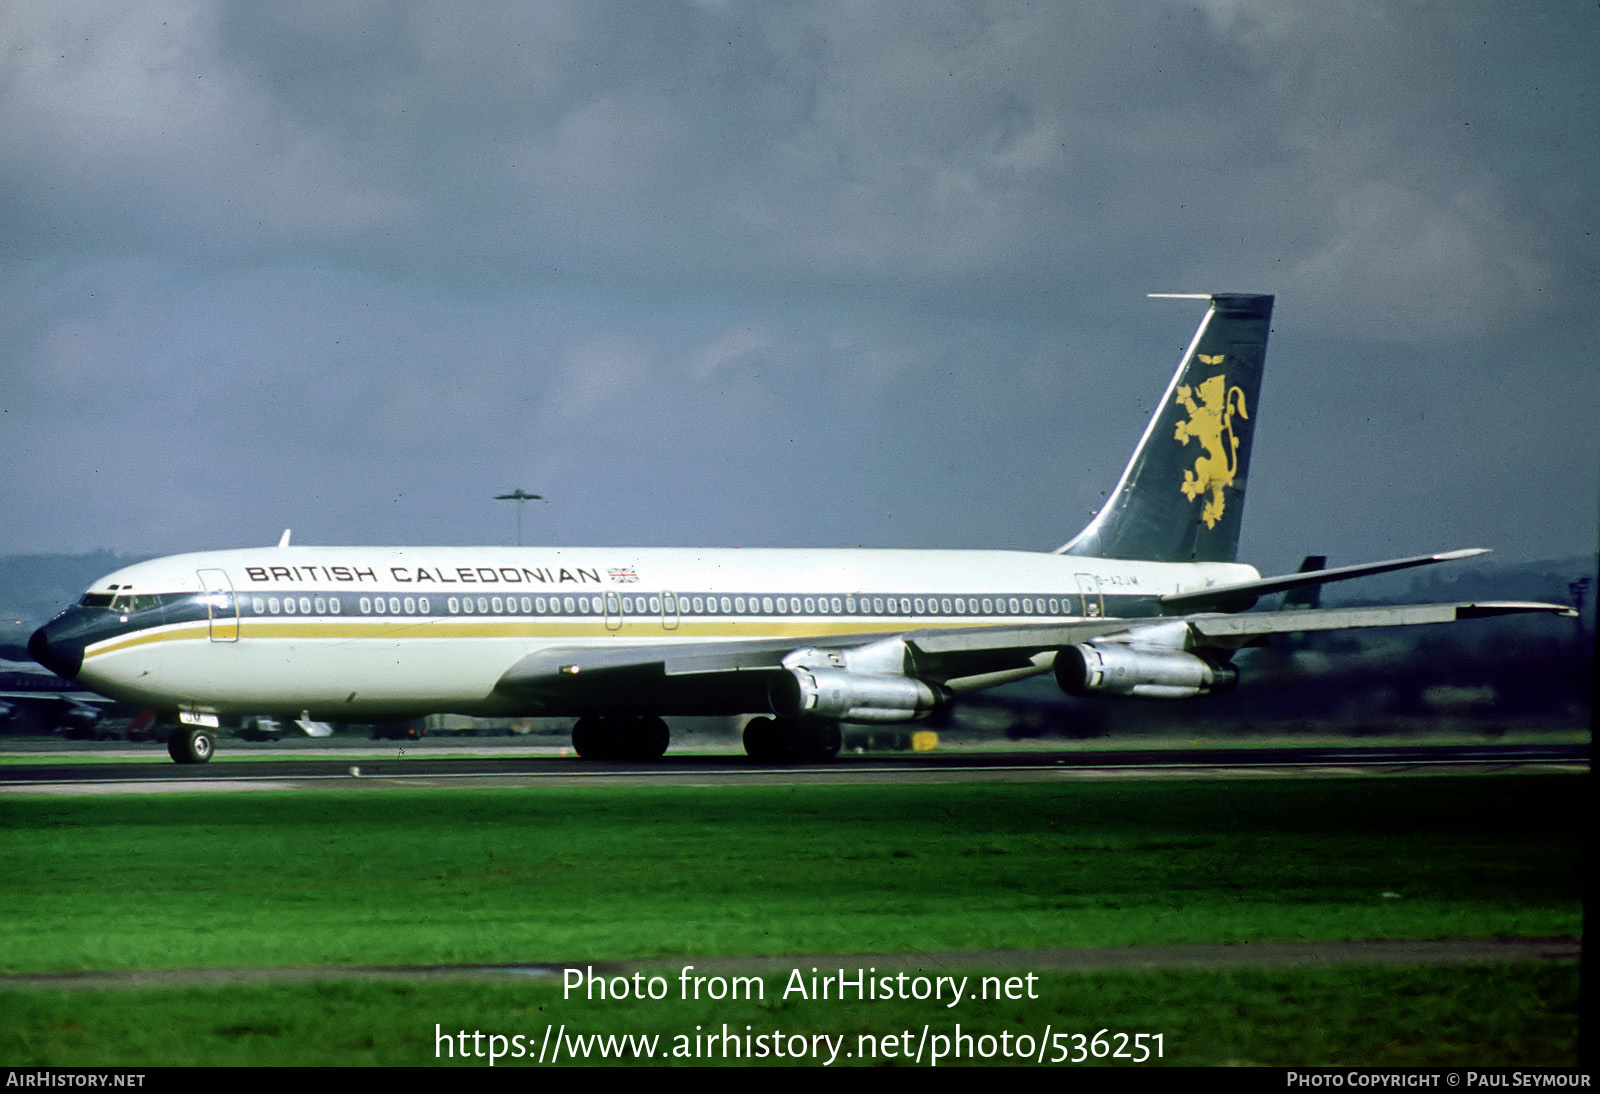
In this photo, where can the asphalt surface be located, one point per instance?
(244, 770)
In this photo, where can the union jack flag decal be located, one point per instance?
(623, 576)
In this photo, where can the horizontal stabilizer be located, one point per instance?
(1237, 597)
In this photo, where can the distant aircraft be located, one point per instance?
(1140, 604)
(32, 701)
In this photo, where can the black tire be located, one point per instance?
(824, 740)
(190, 746)
(652, 738)
(589, 739)
(761, 740)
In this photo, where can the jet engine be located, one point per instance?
(1143, 673)
(804, 692)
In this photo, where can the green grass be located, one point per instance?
(552, 874)
(594, 874)
(1482, 1016)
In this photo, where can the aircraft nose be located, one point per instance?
(61, 654)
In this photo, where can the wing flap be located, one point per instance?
(1260, 624)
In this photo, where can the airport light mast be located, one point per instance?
(519, 496)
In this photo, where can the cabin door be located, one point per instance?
(1094, 605)
(221, 604)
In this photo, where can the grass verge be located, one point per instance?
(597, 874)
(1480, 1016)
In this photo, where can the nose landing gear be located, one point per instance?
(190, 746)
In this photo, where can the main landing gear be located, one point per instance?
(645, 738)
(189, 746)
(597, 737)
(788, 740)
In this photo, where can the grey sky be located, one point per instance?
(804, 273)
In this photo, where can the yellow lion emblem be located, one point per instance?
(1211, 423)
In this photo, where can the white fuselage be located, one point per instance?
(363, 632)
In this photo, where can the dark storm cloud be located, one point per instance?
(812, 273)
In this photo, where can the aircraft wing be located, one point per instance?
(932, 649)
(1233, 630)
(961, 658)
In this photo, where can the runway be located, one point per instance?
(443, 766)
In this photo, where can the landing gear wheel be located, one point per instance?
(791, 740)
(650, 738)
(761, 740)
(189, 746)
(824, 740)
(620, 738)
(589, 740)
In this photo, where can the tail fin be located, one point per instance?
(1182, 495)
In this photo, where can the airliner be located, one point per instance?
(1148, 601)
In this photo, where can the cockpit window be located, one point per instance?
(126, 601)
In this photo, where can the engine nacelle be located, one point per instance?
(1142, 673)
(803, 692)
